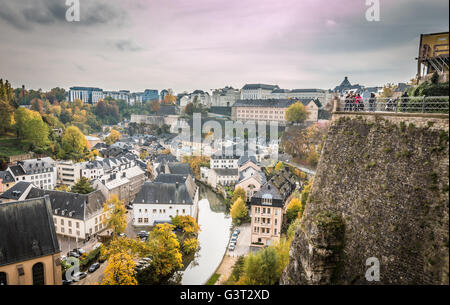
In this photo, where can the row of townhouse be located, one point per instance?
(41, 172)
(74, 215)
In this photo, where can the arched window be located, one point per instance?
(38, 274)
(3, 279)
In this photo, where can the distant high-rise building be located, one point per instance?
(88, 95)
(150, 95)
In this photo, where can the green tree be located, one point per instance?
(82, 186)
(238, 211)
(74, 142)
(262, 268)
(296, 113)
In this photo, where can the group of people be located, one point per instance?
(355, 102)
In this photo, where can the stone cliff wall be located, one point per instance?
(381, 190)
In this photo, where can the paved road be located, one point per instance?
(97, 276)
(243, 241)
(93, 278)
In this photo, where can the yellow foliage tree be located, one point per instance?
(238, 210)
(296, 113)
(116, 218)
(113, 137)
(120, 270)
(164, 249)
(279, 166)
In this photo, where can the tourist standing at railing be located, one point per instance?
(359, 103)
(372, 102)
(348, 102)
(404, 101)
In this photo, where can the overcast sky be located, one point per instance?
(206, 44)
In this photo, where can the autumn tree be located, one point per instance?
(113, 137)
(120, 270)
(143, 155)
(388, 90)
(82, 186)
(296, 113)
(294, 210)
(238, 211)
(74, 142)
(164, 250)
(116, 218)
(279, 166)
(154, 106)
(239, 192)
(7, 106)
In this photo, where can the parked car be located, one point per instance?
(79, 276)
(63, 257)
(66, 282)
(234, 239)
(235, 235)
(81, 251)
(122, 235)
(94, 267)
(128, 207)
(231, 247)
(101, 259)
(237, 231)
(142, 234)
(74, 254)
(97, 245)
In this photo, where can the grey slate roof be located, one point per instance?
(258, 86)
(72, 205)
(306, 90)
(226, 171)
(26, 231)
(279, 187)
(171, 178)
(16, 191)
(246, 158)
(6, 177)
(163, 193)
(17, 170)
(178, 168)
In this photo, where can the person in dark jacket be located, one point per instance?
(404, 101)
(372, 102)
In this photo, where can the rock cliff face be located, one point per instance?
(381, 190)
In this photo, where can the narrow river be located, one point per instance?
(215, 231)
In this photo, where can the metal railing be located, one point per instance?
(416, 104)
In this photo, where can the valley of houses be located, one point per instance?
(35, 217)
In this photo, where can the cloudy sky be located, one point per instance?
(206, 44)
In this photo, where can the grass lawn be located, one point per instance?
(213, 279)
(11, 147)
